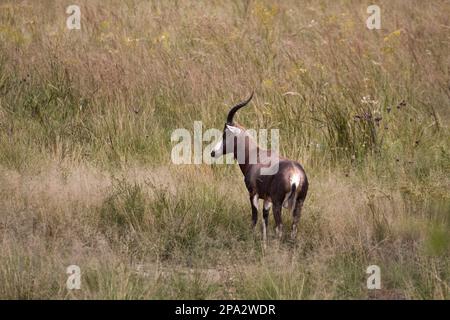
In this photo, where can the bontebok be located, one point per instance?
(280, 182)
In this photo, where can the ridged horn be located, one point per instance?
(233, 110)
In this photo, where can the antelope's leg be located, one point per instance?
(254, 202)
(265, 224)
(296, 217)
(278, 222)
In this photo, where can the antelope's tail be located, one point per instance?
(291, 198)
(295, 182)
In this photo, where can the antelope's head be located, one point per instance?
(230, 132)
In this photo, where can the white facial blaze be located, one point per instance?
(229, 142)
(218, 149)
(213, 136)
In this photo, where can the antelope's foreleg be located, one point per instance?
(265, 224)
(254, 202)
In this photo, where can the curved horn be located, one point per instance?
(236, 108)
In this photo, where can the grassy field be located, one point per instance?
(86, 176)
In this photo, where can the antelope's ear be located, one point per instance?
(234, 130)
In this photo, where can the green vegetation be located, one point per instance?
(86, 176)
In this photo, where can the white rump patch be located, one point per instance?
(295, 179)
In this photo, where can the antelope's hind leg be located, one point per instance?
(278, 223)
(296, 213)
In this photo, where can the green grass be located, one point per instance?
(86, 177)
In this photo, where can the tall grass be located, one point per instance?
(86, 177)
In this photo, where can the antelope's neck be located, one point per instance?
(252, 155)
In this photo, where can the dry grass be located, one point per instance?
(85, 124)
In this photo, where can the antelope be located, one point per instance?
(286, 187)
